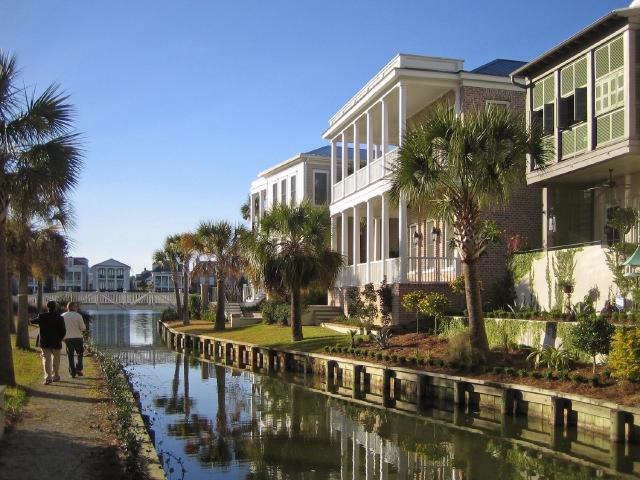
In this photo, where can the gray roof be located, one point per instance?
(326, 152)
(499, 67)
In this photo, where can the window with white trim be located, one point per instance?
(320, 187)
(293, 189)
(283, 191)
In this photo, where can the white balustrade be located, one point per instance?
(361, 273)
(338, 191)
(361, 178)
(393, 270)
(349, 184)
(376, 271)
(433, 269)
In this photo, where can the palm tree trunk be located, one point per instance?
(219, 325)
(176, 289)
(39, 301)
(22, 337)
(12, 320)
(296, 315)
(185, 293)
(7, 374)
(477, 333)
(187, 400)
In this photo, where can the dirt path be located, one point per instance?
(63, 433)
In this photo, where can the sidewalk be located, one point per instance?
(63, 433)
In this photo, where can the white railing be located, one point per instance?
(376, 271)
(361, 273)
(392, 270)
(433, 269)
(108, 298)
(365, 176)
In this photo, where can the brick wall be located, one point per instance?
(476, 98)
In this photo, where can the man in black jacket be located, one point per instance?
(52, 331)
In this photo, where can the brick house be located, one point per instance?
(398, 242)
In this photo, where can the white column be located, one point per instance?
(251, 211)
(356, 235)
(385, 126)
(370, 241)
(369, 145)
(356, 459)
(384, 243)
(402, 112)
(260, 206)
(591, 140)
(356, 147)
(402, 237)
(334, 160)
(344, 245)
(334, 234)
(458, 102)
(629, 39)
(376, 235)
(345, 156)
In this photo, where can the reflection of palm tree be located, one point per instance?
(187, 400)
(221, 416)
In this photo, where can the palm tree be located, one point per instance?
(220, 241)
(455, 169)
(186, 249)
(40, 156)
(169, 257)
(290, 251)
(48, 258)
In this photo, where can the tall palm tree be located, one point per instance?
(48, 258)
(169, 257)
(186, 250)
(455, 169)
(291, 252)
(220, 241)
(39, 154)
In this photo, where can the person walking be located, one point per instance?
(52, 331)
(74, 324)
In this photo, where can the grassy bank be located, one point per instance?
(315, 338)
(28, 369)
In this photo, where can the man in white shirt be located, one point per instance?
(74, 323)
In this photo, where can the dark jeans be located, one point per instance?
(74, 345)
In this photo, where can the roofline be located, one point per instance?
(620, 12)
(289, 162)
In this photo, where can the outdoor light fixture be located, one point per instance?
(417, 236)
(435, 234)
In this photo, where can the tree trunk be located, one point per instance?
(219, 325)
(296, 315)
(7, 375)
(22, 337)
(176, 289)
(221, 415)
(11, 316)
(187, 400)
(204, 296)
(39, 301)
(185, 293)
(594, 364)
(477, 333)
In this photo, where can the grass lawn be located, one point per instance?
(315, 338)
(28, 369)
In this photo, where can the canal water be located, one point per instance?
(211, 421)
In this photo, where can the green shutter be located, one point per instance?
(603, 129)
(538, 95)
(616, 54)
(617, 124)
(568, 143)
(549, 89)
(581, 137)
(602, 61)
(580, 73)
(566, 81)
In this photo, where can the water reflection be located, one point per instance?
(225, 423)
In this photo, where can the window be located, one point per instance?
(274, 193)
(283, 191)
(256, 206)
(544, 94)
(320, 183)
(292, 189)
(499, 104)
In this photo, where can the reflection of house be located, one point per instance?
(303, 176)
(76, 276)
(110, 276)
(397, 242)
(162, 278)
(584, 92)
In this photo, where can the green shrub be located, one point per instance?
(449, 327)
(459, 350)
(498, 370)
(268, 309)
(536, 374)
(509, 371)
(548, 375)
(523, 373)
(195, 306)
(387, 358)
(327, 348)
(394, 357)
(594, 381)
(169, 314)
(624, 358)
(577, 378)
(379, 356)
(209, 314)
(592, 335)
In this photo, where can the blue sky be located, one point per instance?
(182, 103)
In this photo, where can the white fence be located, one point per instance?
(108, 298)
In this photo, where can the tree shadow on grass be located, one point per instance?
(315, 344)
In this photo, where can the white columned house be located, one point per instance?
(110, 276)
(402, 245)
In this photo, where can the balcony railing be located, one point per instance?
(433, 269)
(365, 176)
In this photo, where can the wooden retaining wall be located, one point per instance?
(557, 414)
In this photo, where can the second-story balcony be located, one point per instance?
(363, 177)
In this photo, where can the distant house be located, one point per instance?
(110, 276)
(162, 278)
(142, 280)
(76, 276)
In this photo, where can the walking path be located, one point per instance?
(63, 433)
